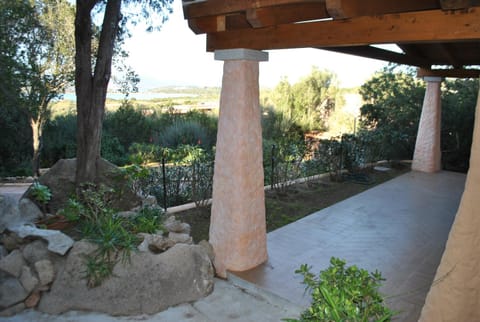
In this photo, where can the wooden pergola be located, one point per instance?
(429, 32)
(440, 37)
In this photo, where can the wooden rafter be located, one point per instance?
(381, 54)
(196, 9)
(341, 9)
(458, 4)
(449, 73)
(284, 14)
(425, 26)
(446, 51)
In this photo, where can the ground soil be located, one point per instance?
(287, 205)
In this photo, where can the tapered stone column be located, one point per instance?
(455, 292)
(428, 156)
(237, 225)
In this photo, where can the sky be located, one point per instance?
(177, 56)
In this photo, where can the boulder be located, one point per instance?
(208, 248)
(11, 241)
(29, 210)
(11, 292)
(13, 263)
(45, 271)
(35, 251)
(27, 279)
(176, 226)
(179, 238)
(58, 242)
(149, 284)
(3, 252)
(61, 181)
(17, 308)
(155, 243)
(8, 211)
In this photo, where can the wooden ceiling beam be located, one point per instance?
(449, 56)
(381, 54)
(425, 26)
(449, 73)
(341, 9)
(219, 23)
(207, 24)
(458, 4)
(283, 14)
(196, 9)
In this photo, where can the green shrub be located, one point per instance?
(342, 293)
(185, 133)
(143, 153)
(112, 150)
(41, 194)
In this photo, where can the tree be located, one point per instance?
(51, 63)
(459, 98)
(393, 103)
(15, 20)
(93, 70)
(315, 98)
(38, 59)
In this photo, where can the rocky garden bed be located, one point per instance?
(127, 261)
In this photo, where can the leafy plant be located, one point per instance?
(149, 221)
(41, 193)
(342, 293)
(73, 210)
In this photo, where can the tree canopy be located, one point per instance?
(37, 57)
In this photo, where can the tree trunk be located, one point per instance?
(91, 88)
(37, 128)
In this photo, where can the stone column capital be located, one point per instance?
(433, 79)
(241, 54)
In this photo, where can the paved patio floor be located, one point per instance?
(399, 227)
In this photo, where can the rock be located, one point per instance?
(29, 210)
(178, 227)
(35, 251)
(27, 279)
(169, 220)
(3, 251)
(149, 284)
(9, 213)
(11, 292)
(155, 243)
(45, 271)
(208, 248)
(127, 214)
(149, 201)
(13, 263)
(58, 242)
(32, 300)
(61, 181)
(11, 241)
(13, 310)
(180, 238)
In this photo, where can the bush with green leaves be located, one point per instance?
(283, 160)
(143, 153)
(185, 132)
(41, 194)
(341, 293)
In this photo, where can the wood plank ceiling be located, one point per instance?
(442, 37)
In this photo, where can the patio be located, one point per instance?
(399, 227)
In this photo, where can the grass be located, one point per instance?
(296, 202)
